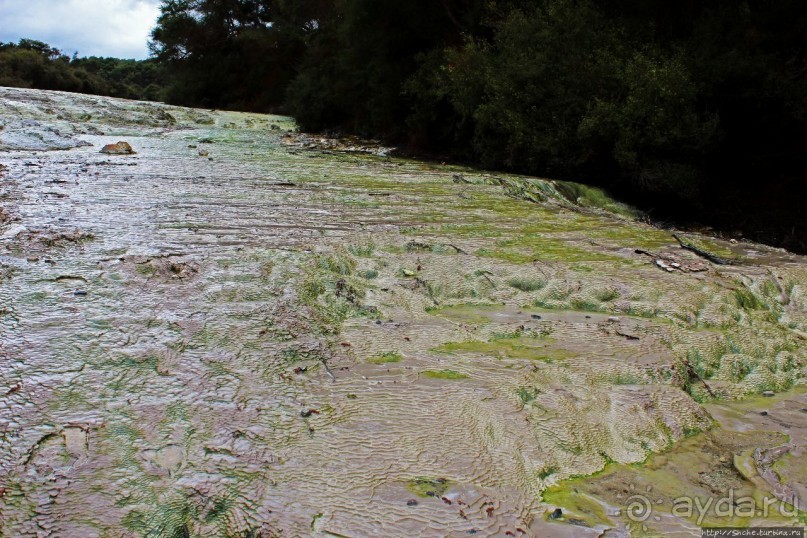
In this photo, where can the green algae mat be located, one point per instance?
(242, 331)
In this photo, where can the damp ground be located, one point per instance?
(241, 330)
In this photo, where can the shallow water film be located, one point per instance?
(240, 330)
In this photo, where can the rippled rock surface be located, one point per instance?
(234, 333)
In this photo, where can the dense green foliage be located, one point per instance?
(233, 53)
(33, 64)
(695, 110)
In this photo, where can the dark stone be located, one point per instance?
(411, 502)
(536, 316)
(578, 522)
(764, 413)
(556, 514)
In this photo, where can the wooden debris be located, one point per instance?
(702, 253)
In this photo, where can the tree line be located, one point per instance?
(34, 64)
(693, 109)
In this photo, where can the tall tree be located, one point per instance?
(232, 53)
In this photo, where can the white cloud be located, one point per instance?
(117, 28)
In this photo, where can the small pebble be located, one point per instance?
(764, 413)
(768, 393)
(411, 502)
(536, 316)
(80, 293)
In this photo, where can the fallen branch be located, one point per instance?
(692, 373)
(324, 362)
(626, 335)
(485, 274)
(702, 253)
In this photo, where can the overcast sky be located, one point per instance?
(117, 28)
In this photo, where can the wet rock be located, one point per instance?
(119, 148)
(169, 458)
(34, 136)
(164, 116)
(75, 440)
(188, 373)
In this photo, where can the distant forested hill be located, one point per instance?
(33, 64)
